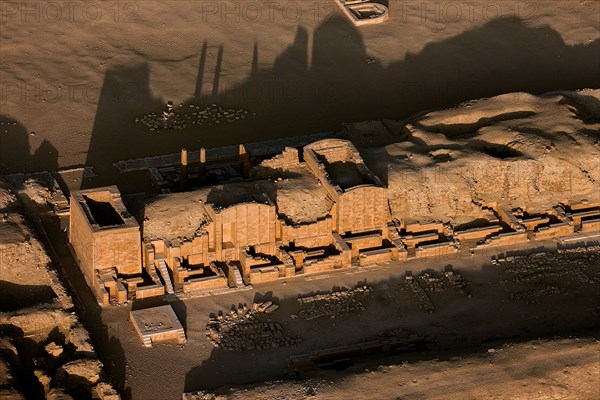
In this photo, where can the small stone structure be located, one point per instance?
(158, 324)
(364, 12)
(106, 241)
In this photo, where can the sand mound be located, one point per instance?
(177, 215)
(518, 149)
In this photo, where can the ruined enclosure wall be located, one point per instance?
(363, 209)
(507, 238)
(204, 283)
(435, 250)
(287, 159)
(315, 241)
(374, 257)
(477, 233)
(363, 242)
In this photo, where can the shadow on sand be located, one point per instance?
(15, 150)
(341, 84)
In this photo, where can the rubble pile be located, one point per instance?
(558, 273)
(457, 281)
(583, 278)
(331, 304)
(243, 329)
(432, 282)
(182, 117)
(590, 251)
(535, 296)
(424, 301)
(198, 395)
(564, 265)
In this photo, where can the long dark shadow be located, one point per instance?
(342, 84)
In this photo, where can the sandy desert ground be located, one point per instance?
(536, 370)
(74, 77)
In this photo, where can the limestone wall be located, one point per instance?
(244, 225)
(477, 233)
(265, 274)
(435, 250)
(413, 240)
(80, 237)
(578, 217)
(531, 223)
(102, 247)
(149, 291)
(359, 243)
(291, 233)
(592, 225)
(375, 256)
(315, 241)
(119, 248)
(205, 283)
(416, 227)
(322, 265)
(248, 262)
(507, 238)
(554, 230)
(362, 209)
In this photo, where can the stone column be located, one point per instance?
(184, 169)
(202, 166)
(245, 163)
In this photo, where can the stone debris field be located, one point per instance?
(182, 117)
(332, 304)
(429, 282)
(558, 275)
(245, 329)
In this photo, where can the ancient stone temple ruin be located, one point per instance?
(316, 215)
(297, 213)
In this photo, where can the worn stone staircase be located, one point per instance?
(239, 282)
(164, 273)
